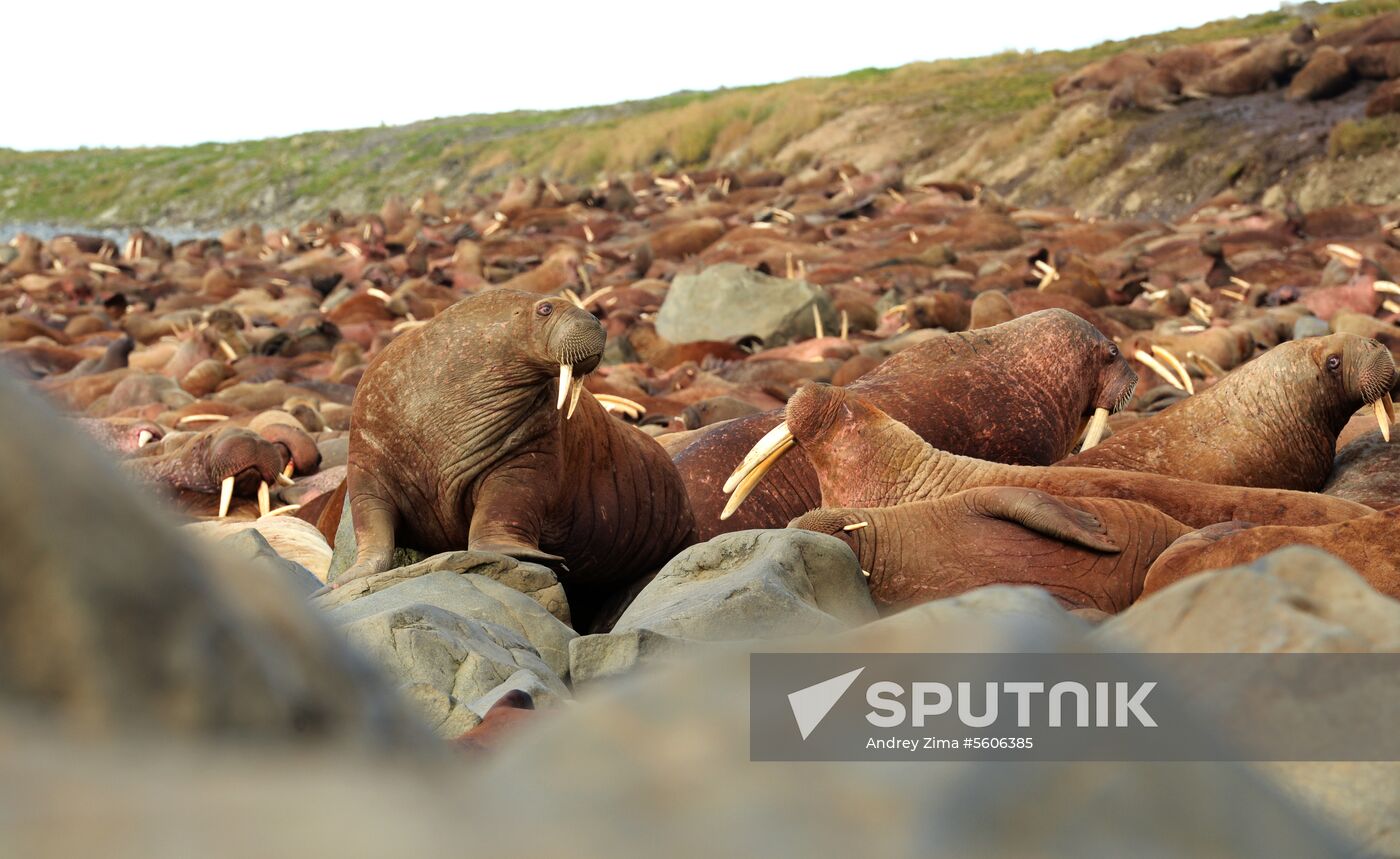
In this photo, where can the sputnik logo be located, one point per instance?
(810, 705)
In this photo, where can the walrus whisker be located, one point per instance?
(1175, 364)
(1385, 414)
(1156, 366)
(566, 375)
(264, 499)
(779, 436)
(855, 526)
(225, 496)
(144, 437)
(1094, 433)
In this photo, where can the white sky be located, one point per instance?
(147, 72)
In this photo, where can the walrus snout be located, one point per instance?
(1375, 374)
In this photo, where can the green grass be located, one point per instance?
(289, 177)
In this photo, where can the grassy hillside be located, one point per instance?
(977, 117)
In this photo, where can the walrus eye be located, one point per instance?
(1112, 351)
(1333, 362)
(544, 309)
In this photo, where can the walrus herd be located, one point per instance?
(964, 392)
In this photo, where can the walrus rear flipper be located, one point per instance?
(1044, 514)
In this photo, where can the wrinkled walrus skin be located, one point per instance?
(1018, 393)
(1087, 552)
(1273, 422)
(456, 442)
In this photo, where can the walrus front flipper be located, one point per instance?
(1044, 514)
(507, 516)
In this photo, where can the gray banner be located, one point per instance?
(1074, 707)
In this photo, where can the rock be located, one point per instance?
(1326, 74)
(728, 300)
(533, 580)
(250, 547)
(541, 692)
(984, 620)
(444, 660)
(291, 538)
(754, 584)
(112, 619)
(1385, 99)
(672, 748)
(1294, 600)
(334, 451)
(1310, 326)
(469, 595)
(1367, 471)
(594, 657)
(1298, 599)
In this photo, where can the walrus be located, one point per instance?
(1273, 422)
(1087, 552)
(1371, 544)
(460, 439)
(865, 458)
(1018, 392)
(1367, 471)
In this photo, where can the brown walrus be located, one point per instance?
(460, 439)
(1087, 552)
(1018, 392)
(865, 458)
(1371, 544)
(1273, 422)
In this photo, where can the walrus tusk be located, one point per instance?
(898, 308)
(1232, 294)
(225, 496)
(1385, 414)
(613, 403)
(573, 298)
(1392, 306)
(194, 419)
(1172, 362)
(144, 437)
(290, 469)
(750, 480)
(284, 480)
(1345, 255)
(573, 398)
(566, 376)
(285, 509)
(227, 350)
(1386, 286)
(845, 326)
(1096, 427)
(1156, 366)
(855, 526)
(1206, 364)
(817, 322)
(756, 463)
(264, 499)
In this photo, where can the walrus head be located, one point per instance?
(1361, 371)
(1116, 384)
(817, 413)
(564, 336)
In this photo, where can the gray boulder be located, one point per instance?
(1294, 600)
(1310, 326)
(114, 621)
(728, 300)
(444, 660)
(250, 547)
(595, 657)
(470, 595)
(754, 584)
